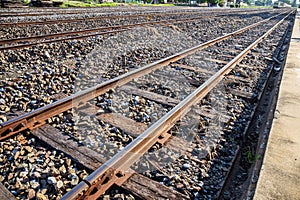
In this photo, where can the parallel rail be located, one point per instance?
(117, 168)
(76, 34)
(56, 35)
(24, 14)
(95, 18)
(20, 46)
(38, 117)
(110, 17)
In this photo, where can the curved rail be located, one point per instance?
(119, 165)
(38, 117)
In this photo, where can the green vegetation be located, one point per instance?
(67, 3)
(214, 1)
(251, 157)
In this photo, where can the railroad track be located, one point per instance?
(104, 16)
(256, 135)
(117, 169)
(74, 34)
(44, 39)
(101, 22)
(55, 12)
(116, 17)
(105, 11)
(78, 11)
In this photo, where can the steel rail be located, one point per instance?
(120, 164)
(27, 14)
(61, 39)
(252, 119)
(8, 41)
(55, 35)
(54, 12)
(38, 117)
(18, 46)
(63, 11)
(114, 17)
(51, 12)
(24, 14)
(94, 18)
(74, 10)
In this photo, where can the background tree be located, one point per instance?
(286, 1)
(248, 2)
(213, 1)
(268, 2)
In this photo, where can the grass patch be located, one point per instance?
(251, 157)
(107, 4)
(82, 4)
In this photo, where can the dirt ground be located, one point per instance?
(280, 174)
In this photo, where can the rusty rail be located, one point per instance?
(61, 39)
(57, 35)
(118, 167)
(116, 17)
(103, 17)
(74, 34)
(39, 116)
(120, 28)
(13, 14)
